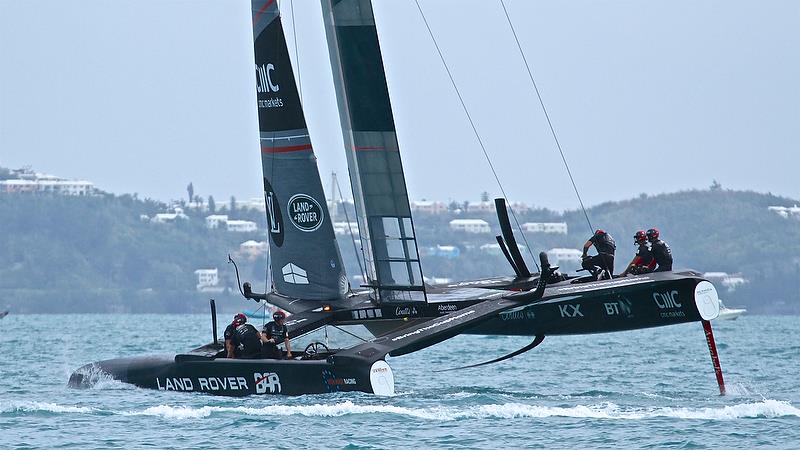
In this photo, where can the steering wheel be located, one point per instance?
(314, 348)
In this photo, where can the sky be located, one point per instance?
(146, 96)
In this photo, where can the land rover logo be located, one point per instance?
(305, 212)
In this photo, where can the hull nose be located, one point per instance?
(85, 377)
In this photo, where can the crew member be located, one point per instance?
(605, 246)
(660, 250)
(274, 333)
(643, 261)
(242, 340)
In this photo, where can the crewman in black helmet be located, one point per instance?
(643, 261)
(273, 334)
(604, 260)
(242, 340)
(660, 250)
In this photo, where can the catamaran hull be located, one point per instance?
(614, 305)
(238, 377)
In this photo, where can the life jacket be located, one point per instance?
(246, 341)
(662, 254)
(604, 244)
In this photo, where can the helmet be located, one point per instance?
(278, 315)
(239, 319)
(640, 237)
(652, 234)
(599, 232)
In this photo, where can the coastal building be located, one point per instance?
(442, 251)
(786, 211)
(215, 221)
(343, 228)
(494, 248)
(208, 280)
(545, 227)
(28, 181)
(729, 281)
(253, 249)
(477, 226)
(558, 255)
(241, 226)
(169, 217)
(428, 207)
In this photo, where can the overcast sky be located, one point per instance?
(646, 96)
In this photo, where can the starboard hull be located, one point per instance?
(614, 305)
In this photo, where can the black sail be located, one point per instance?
(373, 156)
(305, 259)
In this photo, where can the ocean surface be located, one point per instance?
(645, 388)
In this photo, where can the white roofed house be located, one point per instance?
(241, 226)
(566, 258)
(428, 207)
(217, 221)
(253, 249)
(169, 217)
(344, 228)
(545, 227)
(478, 226)
(208, 280)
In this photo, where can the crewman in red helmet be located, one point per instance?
(661, 251)
(643, 261)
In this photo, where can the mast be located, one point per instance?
(373, 156)
(304, 257)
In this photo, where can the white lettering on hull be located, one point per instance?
(203, 384)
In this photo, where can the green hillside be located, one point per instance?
(95, 254)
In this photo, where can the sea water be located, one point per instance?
(644, 388)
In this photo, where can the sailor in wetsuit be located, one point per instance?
(660, 250)
(273, 334)
(643, 261)
(242, 340)
(604, 259)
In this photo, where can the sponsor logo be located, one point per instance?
(405, 311)
(305, 212)
(570, 310)
(274, 220)
(434, 325)
(668, 301)
(267, 383)
(447, 308)
(264, 82)
(612, 309)
(341, 381)
(203, 384)
(512, 315)
(294, 274)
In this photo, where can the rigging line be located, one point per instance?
(349, 227)
(351, 334)
(296, 55)
(546, 115)
(475, 131)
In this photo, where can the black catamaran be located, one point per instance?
(395, 304)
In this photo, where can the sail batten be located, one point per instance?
(373, 154)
